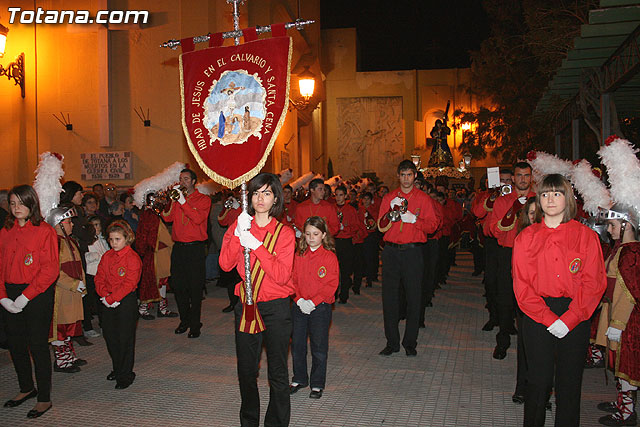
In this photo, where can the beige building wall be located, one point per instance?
(70, 69)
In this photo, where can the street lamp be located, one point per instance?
(15, 70)
(415, 158)
(467, 158)
(306, 84)
(466, 126)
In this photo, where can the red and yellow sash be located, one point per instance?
(251, 322)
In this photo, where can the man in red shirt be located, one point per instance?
(371, 243)
(189, 215)
(316, 206)
(503, 226)
(406, 217)
(350, 229)
(290, 205)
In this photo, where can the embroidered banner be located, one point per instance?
(234, 101)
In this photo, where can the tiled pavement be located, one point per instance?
(192, 382)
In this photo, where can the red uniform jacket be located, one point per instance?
(316, 276)
(503, 219)
(350, 222)
(428, 219)
(558, 262)
(189, 219)
(289, 213)
(277, 266)
(452, 214)
(362, 232)
(228, 216)
(482, 208)
(323, 209)
(28, 255)
(118, 274)
(370, 216)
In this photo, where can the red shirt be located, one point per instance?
(189, 219)
(428, 218)
(482, 208)
(316, 276)
(558, 262)
(370, 217)
(500, 209)
(323, 209)
(452, 214)
(277, 266)
(118, 274)
(228, 216)
(350, 222)
(28, 255)
(289, 213)
(362, 232)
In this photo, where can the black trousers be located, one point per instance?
(188, 273)
(478, 253)
(443, 259)
(28, 337)
(491, 276)
(276, 315)
(119, 331)
(358, 265)
(315, 327)
(430, 261)
(344, 252)
(548, 356)
(505, 298)
(401, 267)
(371, 255)
(229, 280)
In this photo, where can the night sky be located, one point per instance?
(410, 34)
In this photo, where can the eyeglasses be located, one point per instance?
(110, 188)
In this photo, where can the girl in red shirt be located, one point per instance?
(315, 277)
(116, 282)
(558, 280)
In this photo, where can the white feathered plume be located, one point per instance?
(334, 181)
(161, 181)
(545, 164)
(285, 176)
(209, 187)
(593, 191)
(47, 183)
(302, 181)
(623, 169)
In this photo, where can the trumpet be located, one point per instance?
(398, 210)
(174, 193)
(369, 223)
(506, 189)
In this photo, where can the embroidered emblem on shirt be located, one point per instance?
(575, 265)
(28, 260)
(122, 271)
(322, 271)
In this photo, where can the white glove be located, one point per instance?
(115, 304)
(181, 199)
(558, 329)
(244, 223)
(306, 305)
(397, 201)
(289, 219)
(8, 305)
(310, 306)
(613, 334)
(249, 241)
(408, 217)
(81, 286)
(341, 226)
(522, 200)
(21, 302)
(298, 233)
(235, 204)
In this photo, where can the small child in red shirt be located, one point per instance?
(116, 282)
(315, 277)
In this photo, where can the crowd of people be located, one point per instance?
(309, 247)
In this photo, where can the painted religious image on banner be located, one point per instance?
(235, 108)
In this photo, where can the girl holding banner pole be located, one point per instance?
(268, 319)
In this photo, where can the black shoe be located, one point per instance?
(342, 301)
(315, 394)
(355, 292)
(547, 406)
(79, 362)
(590, 364)
(181, 329)
(228, 308)
(616, 420)
(512, 330)
(121, 386)
(111, 376)
(411, 352)
(518, 399)
(168, 313)
(369, 284)
(476, 273)
(489, 325)
(194, 334)
(82, 341)
(294, 388)
(499, 353)
(429, 304)
(147, 316)
(608, 407)
(387, 351)
(35, 413)
(421, 325)
(68, 370)
(13, 403)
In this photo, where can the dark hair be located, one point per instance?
(273, 182)
(315, 182)
(115, 206)
(507, 171)
(28, 196)
(191, 173)
(367, 194)
(69, 189)
(121, 226)
(287, 187)
(124, 197)
(87, 197)
(341, 188)
(522, 165)
(523, 220)
(328, 242)
(96, 185)
(557, 182)
(406, 165)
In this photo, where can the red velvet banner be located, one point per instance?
(234, 101)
